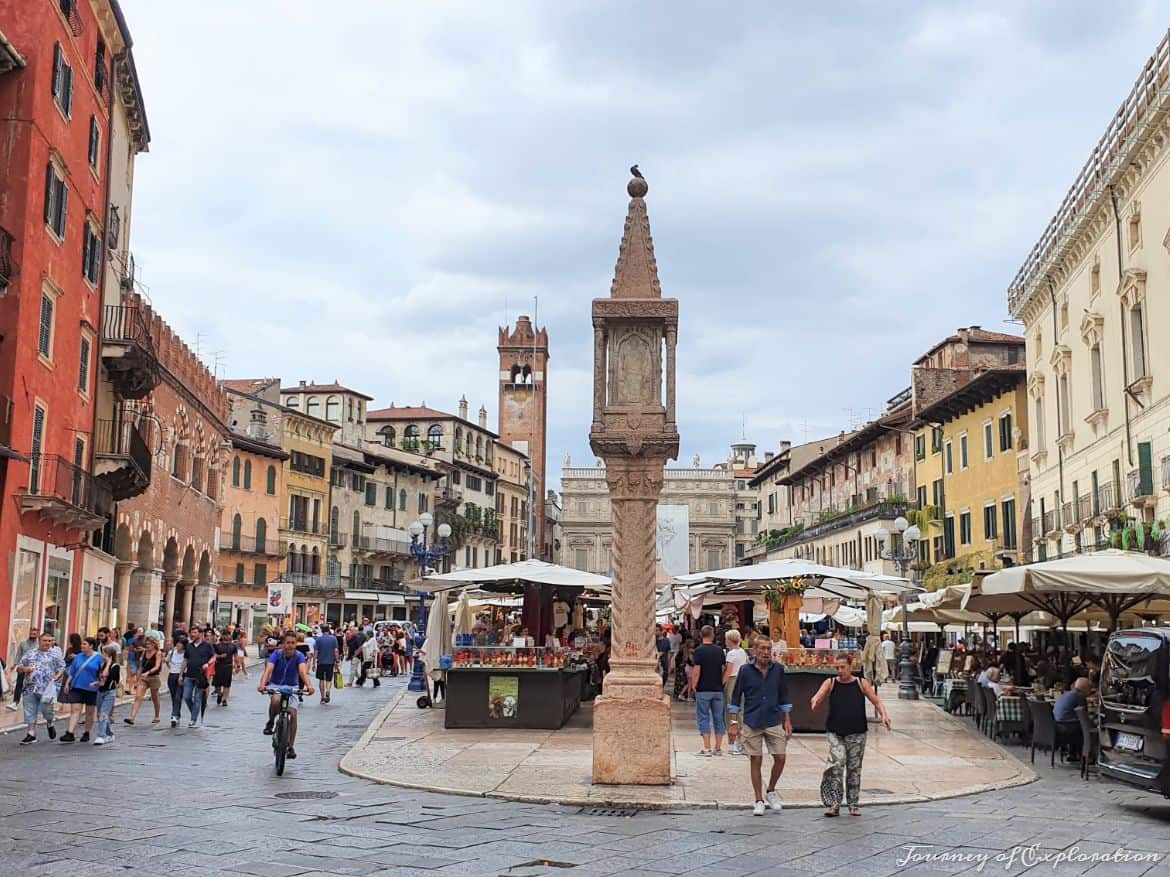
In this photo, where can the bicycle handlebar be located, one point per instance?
(299, 691)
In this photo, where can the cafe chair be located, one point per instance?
(978, 706)
(990, 719)
(1044, 732)
(1090, 742)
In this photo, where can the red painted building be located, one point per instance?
(57, 74)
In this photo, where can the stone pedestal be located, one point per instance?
(201, 605)
(632, 741)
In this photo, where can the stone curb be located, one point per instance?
(1025, 776)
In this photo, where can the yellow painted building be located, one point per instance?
(928, 490)
(979, 426)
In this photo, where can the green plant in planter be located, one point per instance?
(1115, 538)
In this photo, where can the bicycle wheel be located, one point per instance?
(280, 742)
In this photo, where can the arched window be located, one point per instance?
(313, 407)
(526, 375)
(515, 374)
(237, 525)
(410, 438)
(388, 436)
(270, 486)
(458, 440)
(239, 572)
(261, 535)
(479, 446)
(293, 402)
(333, 409)
(334, 524)
(316, 568)
(357, 527)
(294, 561)
(247, 475)
(435, 437)
(402, 500)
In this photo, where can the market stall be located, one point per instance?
(806, 670)
(532, 673)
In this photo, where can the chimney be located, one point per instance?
(785, 447)
(258, 427)
(768, 455)
(463, 408)
(482, 417)
(841, 437)
(302, 383)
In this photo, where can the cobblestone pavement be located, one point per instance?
(203, 802)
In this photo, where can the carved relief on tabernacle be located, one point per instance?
(634, 377)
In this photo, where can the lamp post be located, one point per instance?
(901, 547)
(426, 555)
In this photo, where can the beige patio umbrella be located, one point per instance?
(464, 616)
(438, 641)
(872, 663)
(1113, 581)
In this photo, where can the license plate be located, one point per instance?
(1132, 742)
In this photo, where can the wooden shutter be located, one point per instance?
(50, 195)
(45, 340)
(83, 378)
(67, 104)
(62, 208)
(58, 70)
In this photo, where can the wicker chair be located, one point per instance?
(1090, 742)
(1044, 731)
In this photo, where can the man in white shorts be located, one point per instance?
(767, 720)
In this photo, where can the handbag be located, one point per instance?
(338, 679)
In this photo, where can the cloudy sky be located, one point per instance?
(364, 190)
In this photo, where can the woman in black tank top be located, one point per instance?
(846, 729)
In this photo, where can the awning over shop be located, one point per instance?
(376, 597)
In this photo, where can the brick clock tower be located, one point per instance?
(524, 407)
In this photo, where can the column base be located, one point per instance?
(631, 741)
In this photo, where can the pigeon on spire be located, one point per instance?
(637, 173)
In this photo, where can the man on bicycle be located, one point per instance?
(286, 671)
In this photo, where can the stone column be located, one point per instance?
(170, 585)
(122, 570)
(201, 605)
(145, 593)
(187, 587)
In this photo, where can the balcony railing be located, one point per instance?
(1141, 482)
(128, 351)
(1068, 514)
(123, 459)
(886, 508)
(382, 545)
(301, 525)
(1051, 521)
(314, 581)
(337, 539)
(249, 544)
(7, 268)
(1084, 508)
(66, 493)
(1037, 528)
(69, 10)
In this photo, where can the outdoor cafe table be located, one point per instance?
(954, 694)
(1010, 712)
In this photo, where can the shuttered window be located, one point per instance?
(83, 371)
(95, 140)
(91, 256)
(62, 81)
(38, 435)
(45, 338)
(56, 201)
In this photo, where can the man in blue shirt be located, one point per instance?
(764, 691)
(327, 648)
(1068, 726)
(286, 671)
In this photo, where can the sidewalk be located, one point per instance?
(12, 721)
(928, 756)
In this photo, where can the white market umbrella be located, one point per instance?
(438, 633)
(822, 580)
(523, 572)
(464, 615)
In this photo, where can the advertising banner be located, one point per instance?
(280, 598)
(674, 539)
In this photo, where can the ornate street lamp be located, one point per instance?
(901, 547)
(427, 556)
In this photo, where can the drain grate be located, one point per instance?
(877, 791)
(305, 796)
(608, 811)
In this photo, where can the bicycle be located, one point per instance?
(282, 727)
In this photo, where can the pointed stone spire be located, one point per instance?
(636, 274)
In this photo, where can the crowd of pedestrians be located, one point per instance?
(85, 675)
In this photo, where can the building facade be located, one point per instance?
(523, 413)
(513, 498)
(709, 496)
(1098, 385)
(251, 553)
(464, 453)
(831, 498)
(743, 465)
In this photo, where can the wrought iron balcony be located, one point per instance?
(122, 458)
(1085, 508)
(303, 581)
(450, 496)
(248, 544)
(69, 11)
(1037, 528)
(128, 351)
(1140, 482)
(302, 525)
(337, 539)
(1051, 521)
(382, 545)
(65, 494)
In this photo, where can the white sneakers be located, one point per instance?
(100, 741)
(735, 750)
(773, 799)
(759, 809)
